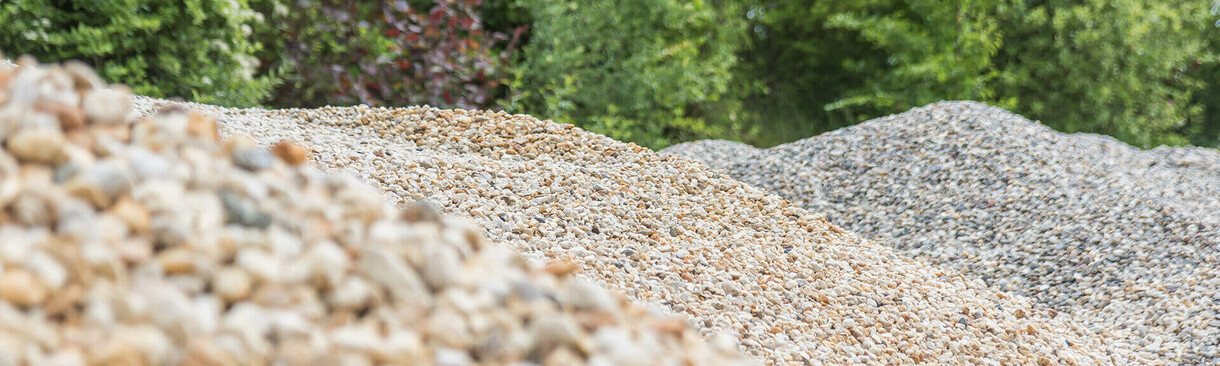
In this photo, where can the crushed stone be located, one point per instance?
(672, 234)
(1125, 240)
(149, 241)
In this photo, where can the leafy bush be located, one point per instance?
(652, 72)
(385, 53)
(1204, 129)
(1111, 67)
(195, 49)
(831, 64)
(1115, 67)
(657, 72)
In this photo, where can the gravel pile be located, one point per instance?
(1125, 240)
(149, 242)
(670, 233)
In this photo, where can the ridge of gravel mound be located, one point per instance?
(1125, 240)
(669, 232)
(128, 241)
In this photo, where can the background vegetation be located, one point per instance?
(658, 72)
(196, 49)
(337, 52)
(647, 71)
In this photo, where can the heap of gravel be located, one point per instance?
(148, 242)
(671, 233)
(1126, 240)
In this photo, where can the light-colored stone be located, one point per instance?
(232, 284)
(177, 261)
(20, 287)
(38, 145)
(389, 270)
(351, 294)
(107, 106)
(133, 214)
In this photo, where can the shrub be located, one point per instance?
(1111, 67)
(195, 49)
(1118, 67)
(1204, 129)
(835, 63)
(652, 72)
(392, 53)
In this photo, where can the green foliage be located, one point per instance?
(1111, 67)
(195, 49)
(658, 72)
(1114, 67)
(507, 16)
(396, 53)
(1204, 129)
(652, 72)
(829, 64)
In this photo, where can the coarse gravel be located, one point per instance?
(148, 241)
(670, 233)
(1125, 240)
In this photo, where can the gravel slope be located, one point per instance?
(671, 233)
(1125, 240)
(151, 242)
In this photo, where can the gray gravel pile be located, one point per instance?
(128, 241)
(672, 234)
(1125, 240)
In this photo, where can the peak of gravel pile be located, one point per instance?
(670, 233)
(148, 242)
(1126, 240)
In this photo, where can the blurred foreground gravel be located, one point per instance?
(146, 241)
(1127, 241)
(674, 235)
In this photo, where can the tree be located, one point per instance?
(194, 49)
(652, 72)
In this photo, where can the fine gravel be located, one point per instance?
(128, 241)
(671, 233)
(1125, 240)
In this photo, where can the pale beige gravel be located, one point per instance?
(671, 233)
(149, 241)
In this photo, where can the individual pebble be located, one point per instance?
(352, 294)
(107, 106)
(38, 145)
(131, 213)
(203, 127)
(22, 288)
(290, 152)
(253, 159)
(33, 207)
(420, 211)
(242, 210)
(177, 261)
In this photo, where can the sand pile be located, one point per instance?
(1128, 241)
(149, 242)
(671, 233)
